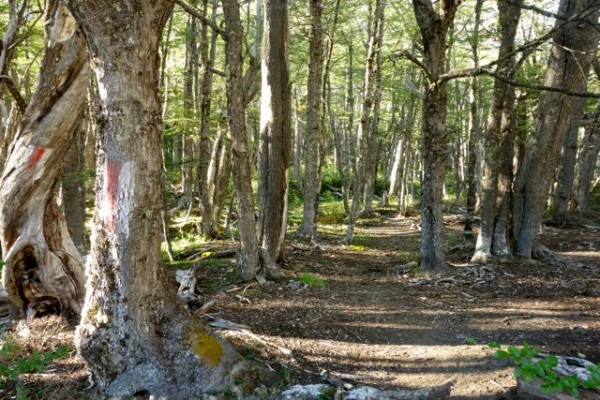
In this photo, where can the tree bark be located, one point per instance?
(242, 174)
(73, 186)
(474, 127)
(588, 158)
(311, 186)
(135, 334)
(434, 26)
(497, 173)
(189, 108)
(369, 123)
(566, 176)
(575, 43)
(209, 226)
(275, 131)
(44, 272)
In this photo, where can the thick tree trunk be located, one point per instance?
(587, 164)
(311, 187)
(275, 131)
(434, 26)
(135, 334)
(73, 186)
(497, 173)
(44, 272)
(575, 44)
(242, 174)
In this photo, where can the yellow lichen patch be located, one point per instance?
(205, 345)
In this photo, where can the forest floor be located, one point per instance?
(364, 315)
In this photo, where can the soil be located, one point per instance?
(364, 315)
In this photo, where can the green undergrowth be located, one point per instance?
(313, 281)
(16, 361)
(529, 366)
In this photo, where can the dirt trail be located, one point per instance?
(377, 323)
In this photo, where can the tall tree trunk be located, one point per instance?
(311, 187)
(588, 158)
(574, 47)
(73, 186)
(189, 107)
(242, 174)
(473, 127)
(499, 140)
(44, 272)
(298, 142)
(369, 123)
(566, 176)
(434, 26)
(275, 131)
(135, 334)
(208, 60)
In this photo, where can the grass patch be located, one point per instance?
(312, 280)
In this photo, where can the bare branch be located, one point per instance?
(193, 11)
(14, 91)
(411, 57)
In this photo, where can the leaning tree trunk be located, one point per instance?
(434, 26)
(497, 177)
(44, 271)
(135, 334)
(311, 187)
(242, 174)
(275, 131)
(574, 47)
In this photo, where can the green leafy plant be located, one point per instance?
(312, 280)
(530, 366)
(12, 364)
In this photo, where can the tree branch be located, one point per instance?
(486, 71)
(411, 57)
(14, 91)
(194, 12)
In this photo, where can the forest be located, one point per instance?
(315, 199)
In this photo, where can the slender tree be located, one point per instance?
(311, 187)
(242, 174)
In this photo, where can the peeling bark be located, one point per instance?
(44, 271)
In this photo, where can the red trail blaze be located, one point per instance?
(35, 157)
(113, 169)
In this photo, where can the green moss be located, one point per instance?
(204, 344)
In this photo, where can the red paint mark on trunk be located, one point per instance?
(35, 157)
(113, 169)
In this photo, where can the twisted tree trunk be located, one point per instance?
(44, 271)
